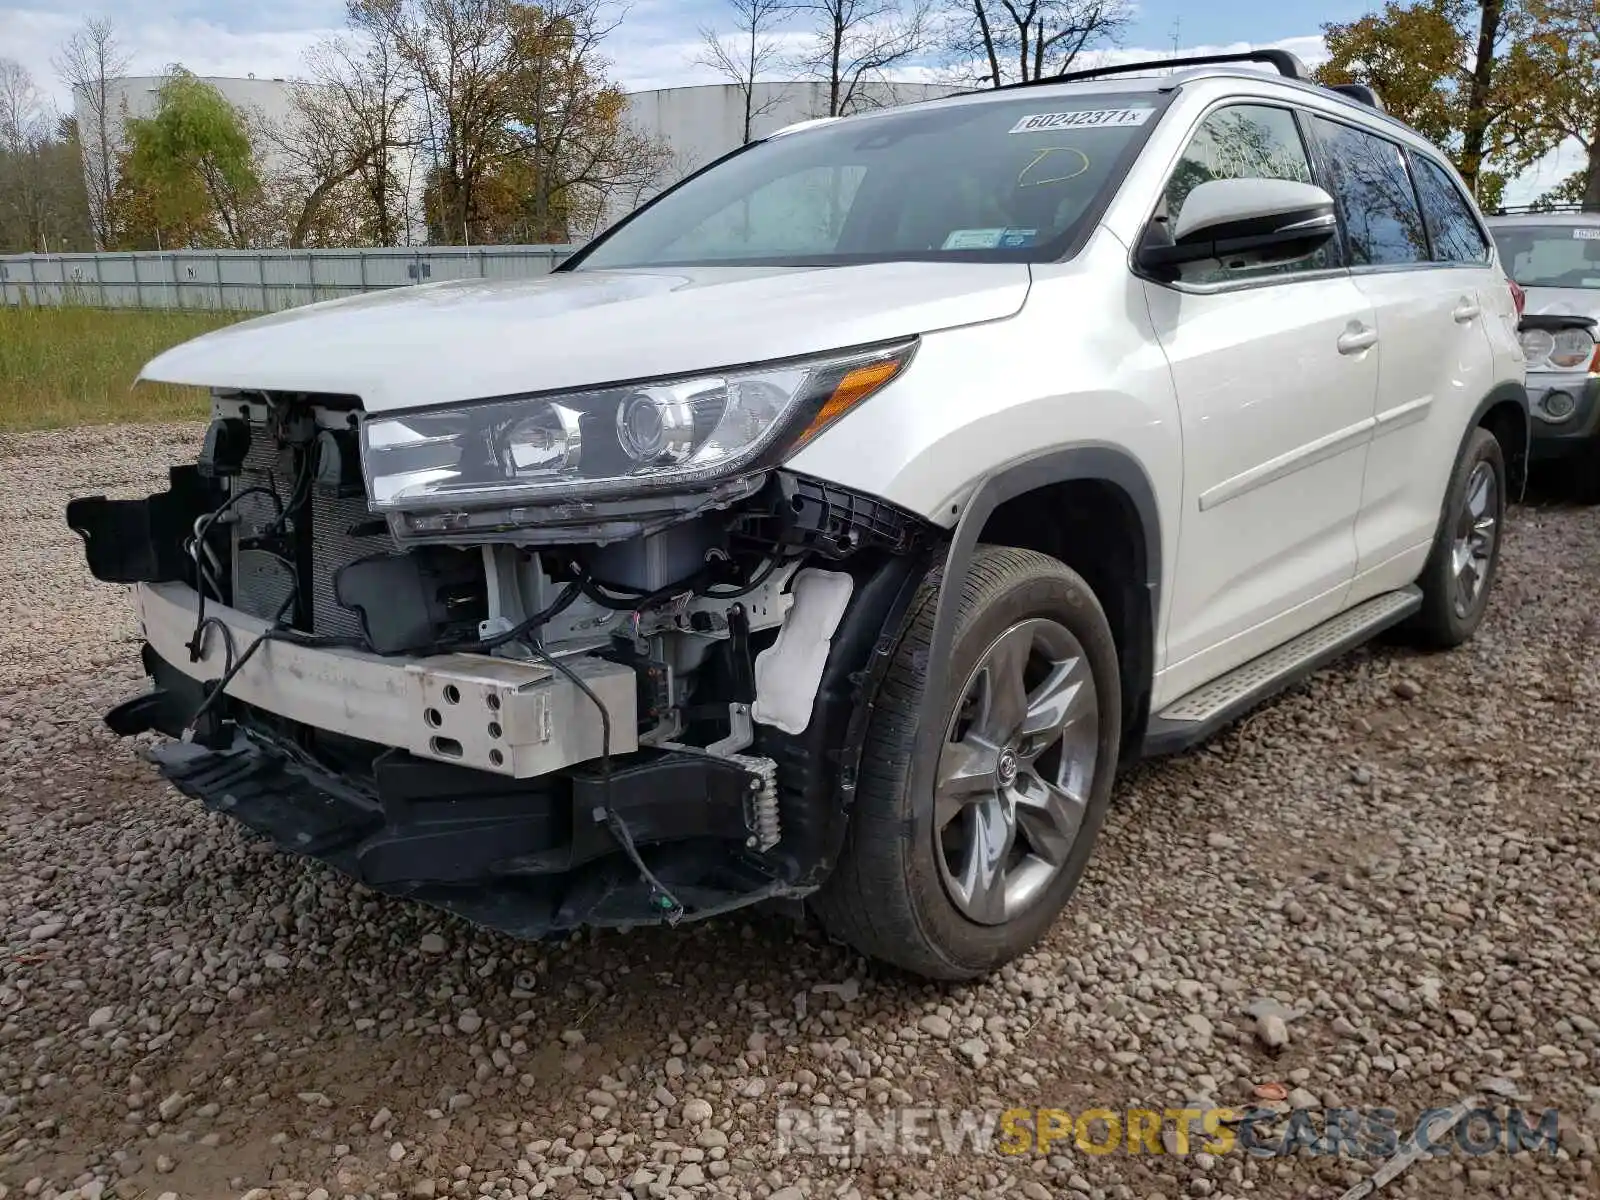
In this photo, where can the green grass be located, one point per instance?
(76, 366)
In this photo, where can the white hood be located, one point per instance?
(472, 339)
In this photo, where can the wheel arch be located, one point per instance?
(1504, 413)
(1092, 507)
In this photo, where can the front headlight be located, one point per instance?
(1536, 345)
(662, 435)
(1573, 348)
(1563, 350)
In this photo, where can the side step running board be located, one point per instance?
(1195, 717)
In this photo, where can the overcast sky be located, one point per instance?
(654, 46)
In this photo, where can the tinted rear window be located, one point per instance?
(1373, 189)
(1451, 225)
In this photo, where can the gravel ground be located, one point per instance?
(1394, 863)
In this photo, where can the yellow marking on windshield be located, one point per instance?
(1022, 176)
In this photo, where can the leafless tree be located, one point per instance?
(1019, 40)
(748, 53)
(460, 54)
(25, 132)
(90, 62)
(855, 43)
(349, 121)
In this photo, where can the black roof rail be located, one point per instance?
(1512, 210)
(1285, 62)
(1360, 93)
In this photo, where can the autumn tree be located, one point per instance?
(571, 130)
(338, 153)
(1021, 40)
(460, 55)
(855, 43)
(748, 53)
(89, 62)
(524, 134)
(1452, 69)
(1563, 54)
(194, 155)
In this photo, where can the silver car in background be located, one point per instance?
(1553, 254)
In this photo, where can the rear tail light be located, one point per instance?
(1519, 298)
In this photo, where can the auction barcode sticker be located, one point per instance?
(1088, 118)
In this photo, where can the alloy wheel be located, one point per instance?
(1477, 530)
(1016, 770)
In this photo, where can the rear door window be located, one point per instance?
(1369, 180)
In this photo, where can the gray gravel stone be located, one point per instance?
(1410, 881)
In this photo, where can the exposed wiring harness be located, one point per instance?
(523, 629)
(697, 584)
(233, 661)
(526, 631)
(198, 546)
(673, 909)
(232, 664)
(756, 580)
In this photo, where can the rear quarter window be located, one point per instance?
(1454, 231)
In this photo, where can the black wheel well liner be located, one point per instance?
(1504, 413)
(1092, 507)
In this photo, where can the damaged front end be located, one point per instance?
(539, 713)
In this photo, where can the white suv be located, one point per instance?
(831, 528)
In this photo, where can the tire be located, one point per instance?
(915, 897)
(1449, 614)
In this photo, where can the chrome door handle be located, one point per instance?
(1466, 311)
(1356, 339)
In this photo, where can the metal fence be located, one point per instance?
(253, 280)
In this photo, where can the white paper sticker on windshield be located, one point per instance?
(973, 239)
(1587, 235)
(1088, 118)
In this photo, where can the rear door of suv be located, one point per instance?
(1419, 254)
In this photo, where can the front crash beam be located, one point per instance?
(500, 715)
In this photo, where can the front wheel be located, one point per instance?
(1466, 550)
(953, 879)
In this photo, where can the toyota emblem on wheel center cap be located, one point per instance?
(1007, 768)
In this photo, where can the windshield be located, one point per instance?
(1565, 256)
(1008, 180)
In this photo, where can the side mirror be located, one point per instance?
(1244, 223)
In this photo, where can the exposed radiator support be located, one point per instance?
(261, 579)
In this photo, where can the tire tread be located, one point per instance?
(866, 901)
